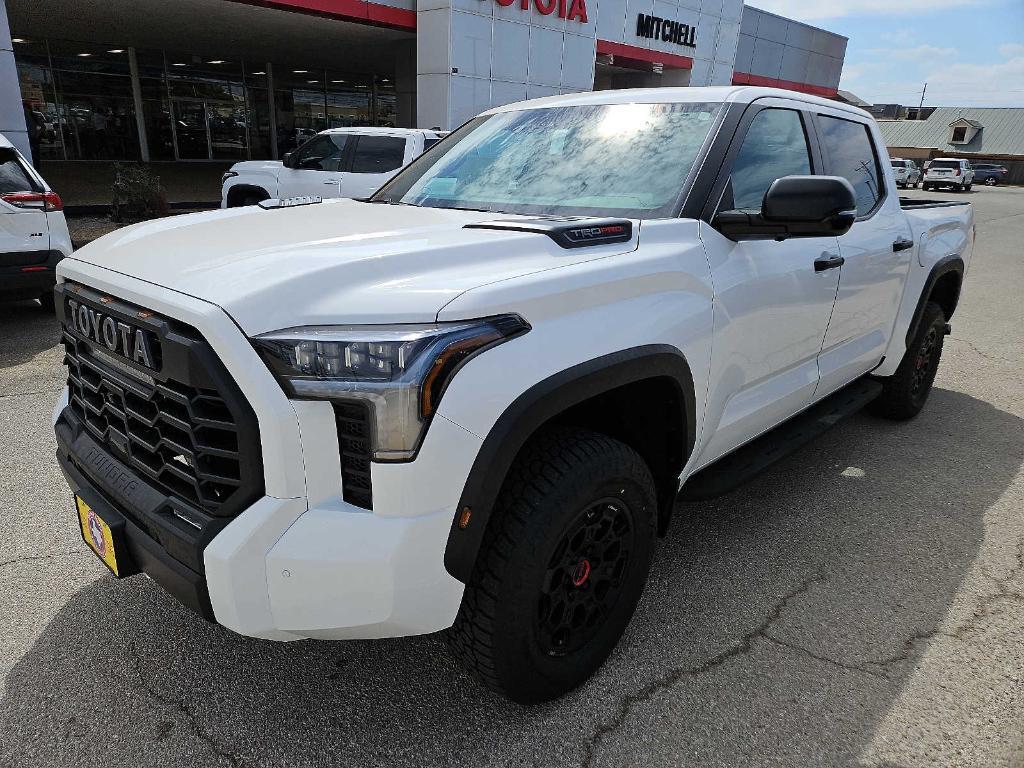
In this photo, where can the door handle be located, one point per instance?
(828, 261)
(902, 244)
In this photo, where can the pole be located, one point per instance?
(921, 105)
(140, 123)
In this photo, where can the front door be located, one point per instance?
(876, 251)
(771, 306)
(315, 168)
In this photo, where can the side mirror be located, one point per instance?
(287, 159)
(795, 206)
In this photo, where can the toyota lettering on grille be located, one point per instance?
(116, 335)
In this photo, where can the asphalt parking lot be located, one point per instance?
(862, 604)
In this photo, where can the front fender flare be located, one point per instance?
(538, 405)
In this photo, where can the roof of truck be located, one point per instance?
(743, 94)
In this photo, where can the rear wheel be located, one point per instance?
(926, 186)
(563, 565)
(968, 187)
(905, 392)
(991, 181)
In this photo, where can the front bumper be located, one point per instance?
(301, 562)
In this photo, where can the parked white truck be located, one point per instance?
(471, 401)
(338, 162)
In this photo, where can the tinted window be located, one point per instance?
(321, 153)
(775, 146)
(849, 148)
(945, 164)
(428, 143)
(378, 154)
(12, 176)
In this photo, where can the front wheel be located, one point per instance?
(905, 392)
(991, 181)
(563, 564)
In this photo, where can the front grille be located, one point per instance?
(182, 426)
(184, 439)
(353, 421)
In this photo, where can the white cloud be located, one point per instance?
(921, 53)
(834, 9)
(950, 82)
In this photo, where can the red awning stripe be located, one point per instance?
(672, 60)
(347, 10)
(743, 78)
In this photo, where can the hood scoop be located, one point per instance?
(570, 232)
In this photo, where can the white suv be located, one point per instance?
(907, 173)
(33, 232)
(949, 172)
(340, 162)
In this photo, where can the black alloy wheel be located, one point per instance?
(584, 577)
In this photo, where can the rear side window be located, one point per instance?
(13, 177)
(775, 146)
(849, 148)
(378, 154)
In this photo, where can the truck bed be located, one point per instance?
(916, 203)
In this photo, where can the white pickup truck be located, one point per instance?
(471, 401)
(338, 162)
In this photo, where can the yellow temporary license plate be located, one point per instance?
(97, 534)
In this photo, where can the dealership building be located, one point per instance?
(194, 80)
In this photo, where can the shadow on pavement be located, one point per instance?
(26, 329)
(771, 623)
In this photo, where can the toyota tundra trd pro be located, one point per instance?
(469, 402)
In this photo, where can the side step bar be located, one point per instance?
(748, 461)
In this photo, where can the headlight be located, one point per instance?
(400, 371)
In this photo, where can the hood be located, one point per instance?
(263, 166)
(335, 262)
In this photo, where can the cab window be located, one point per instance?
(321, 153)
(853, 157)
(775, 146)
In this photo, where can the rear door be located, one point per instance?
(373, 159)
(315, 168)
(23, 228)
(876, 253)
(771, 305)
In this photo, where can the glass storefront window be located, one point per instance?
(193, 107)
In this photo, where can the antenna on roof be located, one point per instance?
(921, 105)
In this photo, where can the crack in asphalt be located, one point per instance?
(742, 647)
(987, 355)
(818, 657)
(202, 734)
(30, 558)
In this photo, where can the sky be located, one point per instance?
(970, 52)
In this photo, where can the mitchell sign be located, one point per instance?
(665, 30)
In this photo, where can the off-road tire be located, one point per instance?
(561, 487)
(905, 392)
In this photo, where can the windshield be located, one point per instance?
(590, 160)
